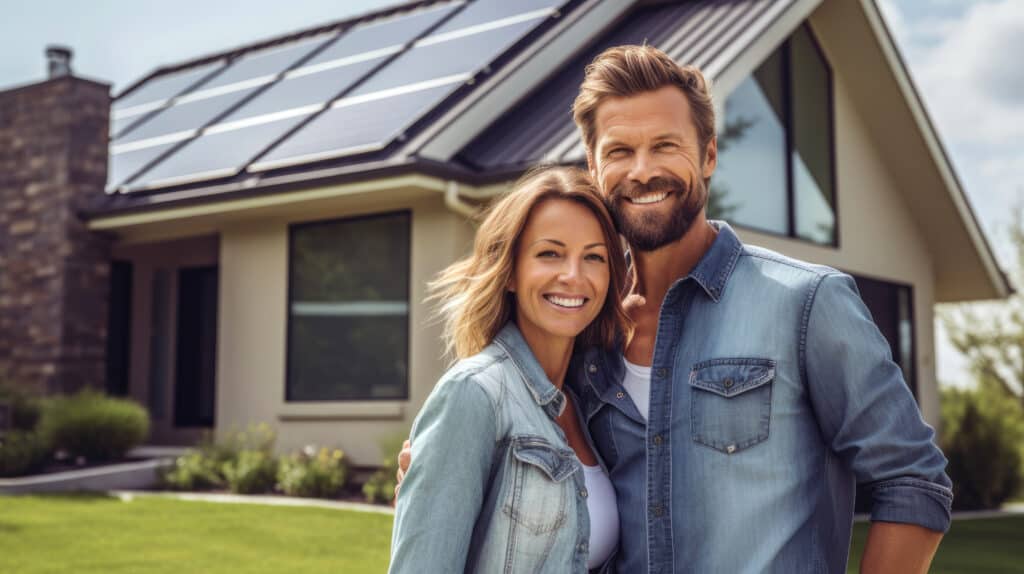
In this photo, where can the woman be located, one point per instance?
(504, 477)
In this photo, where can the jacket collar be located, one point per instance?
(511, 340)
(716, 266)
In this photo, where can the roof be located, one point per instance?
(478, 90)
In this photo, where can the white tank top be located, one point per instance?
(637, 383)
(604, 515)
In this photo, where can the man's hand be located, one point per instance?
(404, 458)
(899, 548)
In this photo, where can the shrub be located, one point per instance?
(21, 452)
(251, 472)
(381, 486)
(313, 474)
(194, 471)
(983, 452)
(25, 407)
(94, 426)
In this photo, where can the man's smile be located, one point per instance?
(648, 198)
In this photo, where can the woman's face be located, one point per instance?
(561, 275)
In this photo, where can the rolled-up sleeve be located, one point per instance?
(453, 442)
(867, 413)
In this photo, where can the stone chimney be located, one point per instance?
(54, 272)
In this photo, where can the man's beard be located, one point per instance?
(652, 230)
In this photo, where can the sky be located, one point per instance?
(964, 56)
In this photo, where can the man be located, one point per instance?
(757, 393)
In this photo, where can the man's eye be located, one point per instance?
(617, 152)
(666, 145)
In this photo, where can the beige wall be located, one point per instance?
(253, 322)
(878, 236)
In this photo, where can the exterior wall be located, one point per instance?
(878, 236)
(147, 260)
(252, 334)
(54, 272)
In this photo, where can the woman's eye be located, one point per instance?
(548, 253)
(596, 257)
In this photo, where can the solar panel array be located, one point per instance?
(334, 95)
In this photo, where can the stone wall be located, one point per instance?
(54, 272)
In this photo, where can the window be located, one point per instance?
(348, 309)
(892, 308)
(775, 169)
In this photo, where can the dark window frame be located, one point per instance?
(787, 97)
(912, 379)
(292, 229)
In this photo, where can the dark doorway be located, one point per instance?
(195, 381)
(119, 328)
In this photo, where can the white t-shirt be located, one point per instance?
(638, 384)
(604, 515)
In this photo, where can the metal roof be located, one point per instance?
(541, 128)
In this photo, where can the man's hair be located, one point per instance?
(475, 302)
(624, 71)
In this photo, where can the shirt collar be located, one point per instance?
(511, 340)
(715, 267)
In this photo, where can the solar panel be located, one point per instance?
(161, 88)
(303, 90)
(214, 154)
(126, 164)
(255, 67)
(392, 32)
(465, 55)
(488, 12)
(353, 127)
(185, 116)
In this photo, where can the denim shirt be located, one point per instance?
(773, 394)
(493, 485)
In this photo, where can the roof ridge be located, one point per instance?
(285, 38)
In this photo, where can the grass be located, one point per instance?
(154, 535)
(151, 535)
(970, 547)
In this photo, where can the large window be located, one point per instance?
(348, 309)
(892, 308)
(775, 169)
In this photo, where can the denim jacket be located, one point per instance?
(493, 485)
(773, 394)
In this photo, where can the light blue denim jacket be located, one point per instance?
(773, 395)
(493, 485)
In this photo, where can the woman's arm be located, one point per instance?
(453, 445)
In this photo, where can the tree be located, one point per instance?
(991, 335)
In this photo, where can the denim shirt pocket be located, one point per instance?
(539, 497)
(731, 402)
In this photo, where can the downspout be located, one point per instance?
(455, 203)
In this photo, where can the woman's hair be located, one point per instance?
(475, 302)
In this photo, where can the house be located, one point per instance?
(259, 248)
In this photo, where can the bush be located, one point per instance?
(381, 486)
(21, 453)
(25, 407)
(194, 471)
(313, 474)
(94, 426)
(251, 472)
(982, 446)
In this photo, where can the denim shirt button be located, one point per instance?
(658, 510)
(583, 493)
(728, 383)
(730, 449)
(662, 373)
(657, 439)
(582, 547)
(592, 368)
(619, 395)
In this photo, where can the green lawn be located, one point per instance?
(93, 534)
(87, 534)
(986, 546)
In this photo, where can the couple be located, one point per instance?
(712, 409)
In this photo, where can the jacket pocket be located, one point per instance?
(538, 498)
(731, 403)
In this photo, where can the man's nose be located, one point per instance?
(642, 169)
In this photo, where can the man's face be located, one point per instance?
(647, 161)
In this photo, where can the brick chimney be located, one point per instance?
(54, 272)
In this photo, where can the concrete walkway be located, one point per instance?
(129, 495)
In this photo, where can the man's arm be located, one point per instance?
(870, 419)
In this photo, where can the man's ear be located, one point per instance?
(710, 158)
